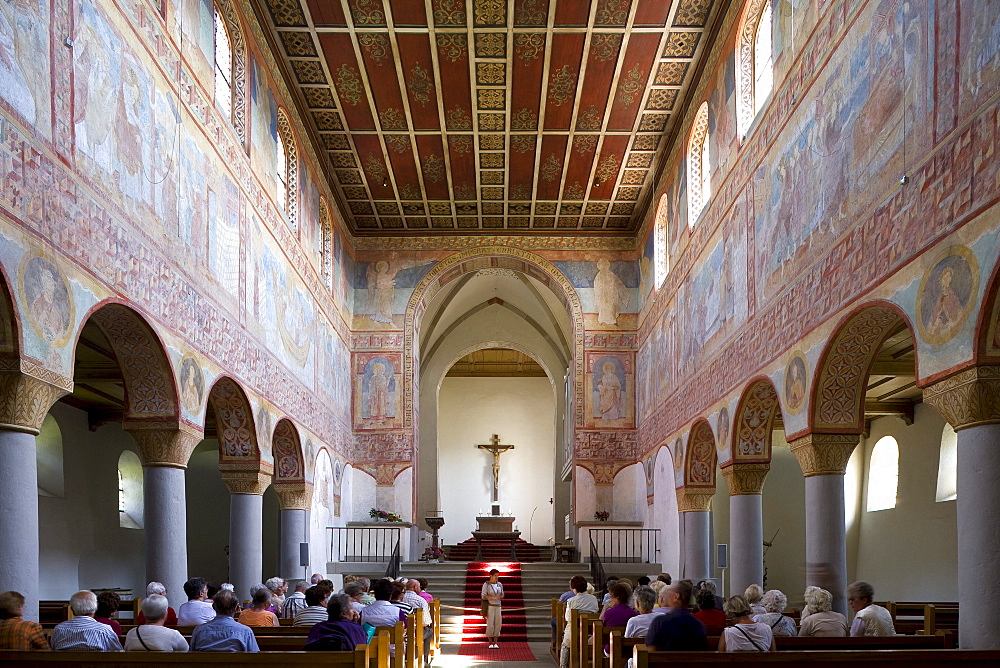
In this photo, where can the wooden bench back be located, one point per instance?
(356, 659)
(599, 637)
(396, 638)
(415, 639)
(928, 658)
(577, 636)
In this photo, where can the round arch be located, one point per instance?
(10, 321)
(460, 264)
(753, 421)
(237, 434)
(987, 342)
(151, 389)
(289, 462)
(839, 385)
(700, 457)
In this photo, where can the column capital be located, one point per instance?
(745, 478)
(26, 398)
(824, 454)
(294, 495)
(968, 398)
(695, 499)
(246, 482)
(167, 443)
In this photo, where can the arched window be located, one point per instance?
(699, 161)
(286, 169)
(883, 474)
(660, 242)
(327, 247)
(947, 478)
(755, 62)
(223, 66)
(130, 507)
(230, 67)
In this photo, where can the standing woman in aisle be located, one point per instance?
(492, 595)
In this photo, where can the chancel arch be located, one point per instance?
(497, 306)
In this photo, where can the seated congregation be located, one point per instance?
(213, 619)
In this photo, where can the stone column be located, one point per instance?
(24, 402)
(295, 500)
(823, 459)
(746, 524)
(970, 401)
(694, 506)
(246, 528)
(164, 449)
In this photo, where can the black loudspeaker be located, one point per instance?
(303, 554)
(722, 555)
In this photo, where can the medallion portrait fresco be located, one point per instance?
(796, 383)
(947, 295)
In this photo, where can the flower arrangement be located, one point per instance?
(384, 515)
(432, 553)
(602, 515)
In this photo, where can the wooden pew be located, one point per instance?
(927, 658)
(599, 637)
(415, 639)
(577, 630)
(436, 620)
(622, 646)
(359, 658)
(558, 610)
(397, 640)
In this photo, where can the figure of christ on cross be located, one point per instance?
(497, 450)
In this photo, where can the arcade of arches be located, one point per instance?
(726, 269)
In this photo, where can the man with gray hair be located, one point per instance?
(83, 633)
(153, 636)
(295, 601)
(224, 634)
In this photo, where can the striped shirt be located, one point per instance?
(314, 614)
(85, 634)
(16, 633)
(293, 603)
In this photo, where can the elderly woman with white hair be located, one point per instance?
(869, 619)
(818, 620)
(157, 589)
(153, 636)
(774, 603)
(278, 588)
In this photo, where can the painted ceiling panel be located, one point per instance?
(486, 115)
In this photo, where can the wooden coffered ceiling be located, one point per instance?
(454, 116)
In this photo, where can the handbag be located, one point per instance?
(484, 608)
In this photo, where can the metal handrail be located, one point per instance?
(392, 569)
(364, 544)
(596, 567)
(625, 545)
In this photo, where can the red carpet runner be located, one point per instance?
(514, 632)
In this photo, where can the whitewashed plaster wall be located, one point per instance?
(521, 411)
(207, 514)
(81, 544)
(362, 495)
(629, 495)
(662, 513)
(909, 552)
(784, 508)
(584, 497)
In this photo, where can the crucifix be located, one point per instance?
(497, 450)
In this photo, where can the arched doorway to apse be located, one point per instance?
(502, 299)
(226, 482)
(865, 387)
(124, 399)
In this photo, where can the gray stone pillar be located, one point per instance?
(969, 401)
(978, 536)
(746, 524)
(246, 528)
(24, 403)
(693, 504)
(294, 499)
(19, 518)
(165, 453)
(823, 459)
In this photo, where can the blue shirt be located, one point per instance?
(223, 634)
(677, 630)
(84, 634)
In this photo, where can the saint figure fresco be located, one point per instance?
(610, 293)
(946, 295)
